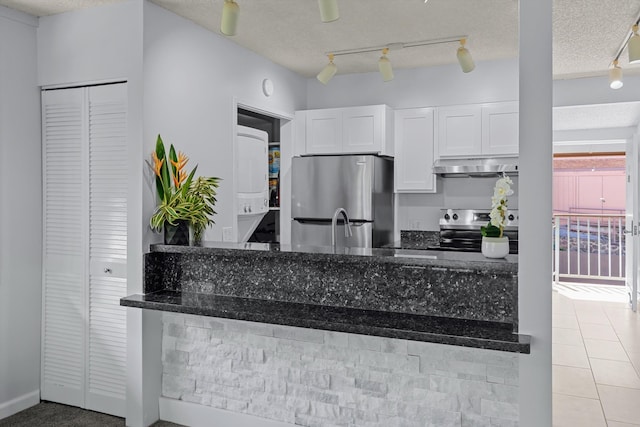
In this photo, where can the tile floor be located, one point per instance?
(596, 358)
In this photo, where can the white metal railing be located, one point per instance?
(589, 246)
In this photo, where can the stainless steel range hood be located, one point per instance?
(492, 167)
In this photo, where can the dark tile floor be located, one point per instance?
(48, 414)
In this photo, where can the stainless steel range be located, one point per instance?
(460, 229)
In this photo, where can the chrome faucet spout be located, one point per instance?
(334, 224)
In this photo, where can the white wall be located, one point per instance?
(594, 90)
(491, 81)
(20, 214)
(104, 44)
(191, 79)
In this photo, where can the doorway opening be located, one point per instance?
(589, 204)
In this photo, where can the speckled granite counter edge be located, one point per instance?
(485, 335)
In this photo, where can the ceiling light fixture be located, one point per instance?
(634, 46)
(230, 15)
(383, 63)
(631, 41)
(328, 10)
(328, 71)
(615, 76)
(464, 57)
(385, 66)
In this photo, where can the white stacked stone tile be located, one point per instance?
(320, 378)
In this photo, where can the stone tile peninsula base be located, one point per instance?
(233, 371)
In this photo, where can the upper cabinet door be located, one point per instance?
(460, 131)
(500, 128)
(324, 131)
(363, 129)
(414, 144)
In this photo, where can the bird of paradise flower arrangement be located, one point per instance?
(182, 198)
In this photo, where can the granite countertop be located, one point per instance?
(455, 260)
(442, 330)
(444, 297)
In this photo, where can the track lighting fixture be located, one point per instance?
(328, 10)
(632, 43)
(385, 66)
(615, 76)
(328, 71)
(464, 57)
(634, 46)
(230, 15)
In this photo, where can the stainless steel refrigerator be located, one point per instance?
(360, 184)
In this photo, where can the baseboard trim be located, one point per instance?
(194, 415)
(20, 403)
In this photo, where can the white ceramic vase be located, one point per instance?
(495, 247)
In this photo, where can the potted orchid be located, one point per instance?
(494, 243)
(185, 203)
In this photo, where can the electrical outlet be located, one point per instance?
(227, 234)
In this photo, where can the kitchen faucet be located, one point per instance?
(334, 223)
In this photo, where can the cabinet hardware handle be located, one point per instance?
(107, 270)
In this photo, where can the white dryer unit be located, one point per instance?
(252, 178)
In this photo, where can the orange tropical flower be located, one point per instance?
(157, 163)
(182, 161)
(180, 178)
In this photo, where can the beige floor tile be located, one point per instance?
(630, 344)
(570, 355)
(619, 424)
(574, 382)
(598, 332)
(615, 373)
(619, 403)
(568, 321)
(592, 317)
(571, 411)
(601, 349)
(566, 336)
(561, 304)
(635, 361)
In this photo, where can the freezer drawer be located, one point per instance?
(318, 233)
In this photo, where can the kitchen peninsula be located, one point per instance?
(321, 336)
(442, 297)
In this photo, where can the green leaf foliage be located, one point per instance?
(490, 230)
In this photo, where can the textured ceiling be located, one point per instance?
(619, 115)
(587, 33)
(586, 36)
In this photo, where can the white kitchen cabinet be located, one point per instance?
(414, 149)
(349, 130)
(324, 131)
(460, 131)
(85, 247)
(479, 130)
(500, 128)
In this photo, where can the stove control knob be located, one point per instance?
(455, 217)
(511, 217)
(446, 216)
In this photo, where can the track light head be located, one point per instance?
(464, 58)
(615, 76)
(230, 15)
(634, 47)
(328, 71)
(384, 65)
(328, 10)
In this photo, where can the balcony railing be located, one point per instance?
(589, 246)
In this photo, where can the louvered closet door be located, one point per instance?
(85, 245)
(64, 284)
(106, 357)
